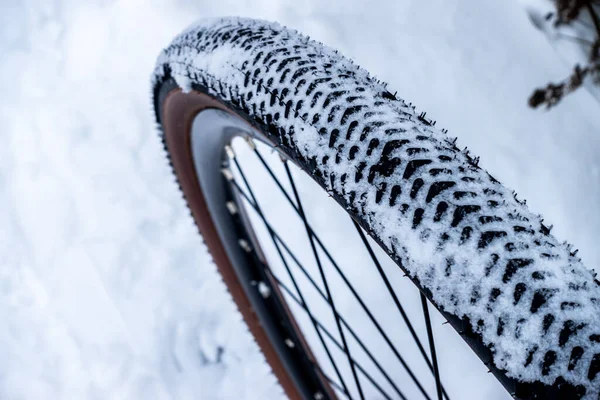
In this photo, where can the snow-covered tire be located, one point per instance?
(521, 299)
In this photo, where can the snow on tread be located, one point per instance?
(467, 239)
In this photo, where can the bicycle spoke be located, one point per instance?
(322, 272)
(332, 382)
(331, 337)
(438, 382)
(270, 171)
(271, 233)
(346, 325)
(397, 302)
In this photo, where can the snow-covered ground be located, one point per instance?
(106, 290)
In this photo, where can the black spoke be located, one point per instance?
(270, 171)
(324, 297)
(438, 382)
(392, 292)
(271, 233)
(330, 336)
(333, 383)
(324, 279)
(347, 282)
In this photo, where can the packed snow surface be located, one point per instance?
(105, 289)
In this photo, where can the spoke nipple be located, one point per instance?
(245, 245)
(227, 174)
(290, 343)
(447, 322)
(319, 396)
(231, 207)
(250, 142)
(263, 289)
(229, 152)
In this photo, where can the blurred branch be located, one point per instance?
(570, 12)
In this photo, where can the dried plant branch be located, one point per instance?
(569, 12)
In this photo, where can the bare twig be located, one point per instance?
(569, 12)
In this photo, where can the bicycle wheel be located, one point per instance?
(522, 301)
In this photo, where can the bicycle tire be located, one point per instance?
(521, 299)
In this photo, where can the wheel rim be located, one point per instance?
(295, 374)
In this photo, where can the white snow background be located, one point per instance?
(106, 291)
